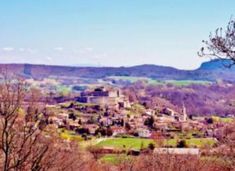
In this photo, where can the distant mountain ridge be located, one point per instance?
(210, 71)
(217, 64)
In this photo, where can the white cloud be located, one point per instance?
(58, 48)
(86, 50)
(99, 56)
(89, 49)
(8, 49)
(21, 49)
(49, 58)
(31, 51)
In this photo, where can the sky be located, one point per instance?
(109, 32)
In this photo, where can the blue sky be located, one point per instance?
(109, 32)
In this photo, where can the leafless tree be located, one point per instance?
(19, 141)
(170, 162)
(226, 147)
(221, 44)
(26, 141)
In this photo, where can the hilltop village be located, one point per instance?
(106, 112)
(111, 124)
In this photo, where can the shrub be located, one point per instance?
(181, 144)
(151, 146)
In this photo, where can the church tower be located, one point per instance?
(185, 116)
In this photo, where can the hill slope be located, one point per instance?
(212, 70)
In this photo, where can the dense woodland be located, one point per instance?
(215, 99)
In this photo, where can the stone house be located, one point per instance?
(102, 96)
(178, 151)
(144, 132)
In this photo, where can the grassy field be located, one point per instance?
(133, 79)
(126, 143)
(157, 82)
(67, 104)
(63, 90)
(70, 135)
(220, 119)
(193, 142)
(138, 143)
(115, 158)
(132, 143)
(186, 82)
(136, 109)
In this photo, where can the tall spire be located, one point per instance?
(184, 113)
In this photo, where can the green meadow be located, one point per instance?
(138, 143)
(193, 142)
(115, 158)
(125, 143)
(158, 82)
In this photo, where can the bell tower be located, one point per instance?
(185, 116)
